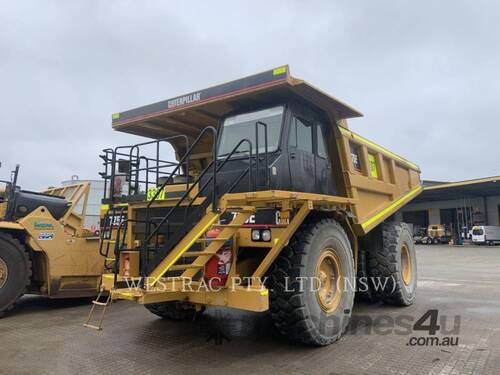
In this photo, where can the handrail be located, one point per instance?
(228, 156)
(136, 147)
(188, 152)
(211, 179)
(106, 229)
(211, 129)
(105, 157)
(132, 152)
(138, 164)
(138, 171)
(266, 149)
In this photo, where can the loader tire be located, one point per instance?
(171, 310)
(15, 272)
(320, 248)
(393, 262)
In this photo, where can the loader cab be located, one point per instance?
(295, 155)
(16, 203)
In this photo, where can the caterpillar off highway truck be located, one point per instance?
(270, 203)
(44, 247)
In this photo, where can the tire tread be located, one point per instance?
(288, 309)
(383, 262)
(6, 237)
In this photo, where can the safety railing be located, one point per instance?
(165, 171)
(149, 234)
(135, 169)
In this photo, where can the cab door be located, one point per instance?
(301, 155)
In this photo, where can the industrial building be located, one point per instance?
(457, 205)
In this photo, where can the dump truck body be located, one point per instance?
(260, 158)
(44, 247)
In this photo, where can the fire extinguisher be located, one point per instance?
(218, 267)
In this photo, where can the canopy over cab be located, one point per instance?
(189, 114)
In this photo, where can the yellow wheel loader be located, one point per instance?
(271, 203)
(44, 247)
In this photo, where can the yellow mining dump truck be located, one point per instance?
(44, 247)
(271, 203)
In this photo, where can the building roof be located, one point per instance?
(432, 183)
(481, 187)
(188, 114)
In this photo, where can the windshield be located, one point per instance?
(477, 232)
(236, 128)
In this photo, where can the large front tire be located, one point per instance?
(312, 284)
(15, 272)
(392, 261)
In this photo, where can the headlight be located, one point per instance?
(266, 235)
(255, 235)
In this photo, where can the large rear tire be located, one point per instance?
(15, 272)
(317, 315)
(364, 290)
(171, 310)
(393, 262)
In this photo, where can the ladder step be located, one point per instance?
(182, 267)
(91, 326)
(196, 254)
(206, 239)
(95, 303)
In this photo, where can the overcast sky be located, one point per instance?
(426, 74)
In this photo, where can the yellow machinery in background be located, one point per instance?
(44, 247)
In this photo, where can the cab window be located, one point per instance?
(301, 135)
(241, 126)
(321, 143)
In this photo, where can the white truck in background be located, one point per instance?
(485, 234)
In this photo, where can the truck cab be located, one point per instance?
(292, 142)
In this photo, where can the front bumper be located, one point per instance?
(251, 298)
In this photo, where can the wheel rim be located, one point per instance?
(331, 282)
(406, 271)
(3, 273)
